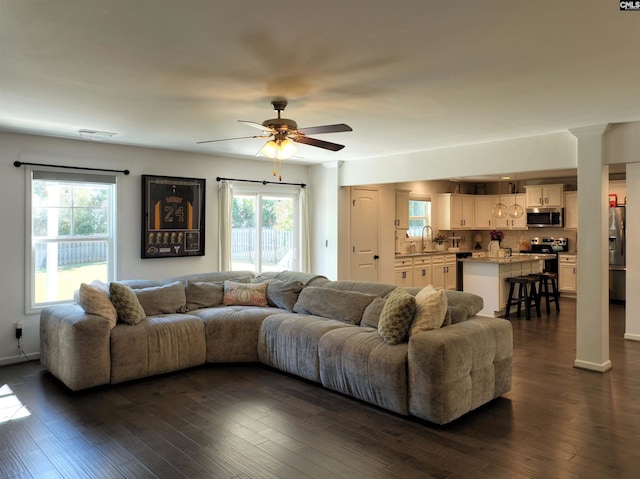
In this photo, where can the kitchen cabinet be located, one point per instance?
(544, 196)
(509, 222)
(571, 210)
(455, 211)
(444, 271)
(403, 272)
(422, 271)
(402, 209)
(568, 273)
(483, 219)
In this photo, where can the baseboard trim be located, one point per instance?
(632, 337)
(601, 368)
(19, 359)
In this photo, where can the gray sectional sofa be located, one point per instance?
(324, 331)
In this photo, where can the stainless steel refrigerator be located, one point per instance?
(617, 253)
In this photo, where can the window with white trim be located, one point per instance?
(419, 214)
(265, 231)
(71, 226)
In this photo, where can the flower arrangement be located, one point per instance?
(496, 235)
(440, 238)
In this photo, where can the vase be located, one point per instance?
(493, 248)
(440, 246)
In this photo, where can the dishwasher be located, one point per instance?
(459, 268)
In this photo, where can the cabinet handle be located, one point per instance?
(404, 275)
(424, 272)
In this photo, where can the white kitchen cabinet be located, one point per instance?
(544, 196)
(402, 209)
(571, 210)
(568, 273)
(455, 211)
(444, 271)
(483, 219)
(403, 272)
(509, 222)
(422, 275)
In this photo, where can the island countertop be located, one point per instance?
(516, 258)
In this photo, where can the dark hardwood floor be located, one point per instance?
(247, 421)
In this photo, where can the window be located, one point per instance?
(72, 230)
(419, 214)
(265, 232)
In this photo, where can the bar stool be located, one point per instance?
(527, 294)
(552, 296)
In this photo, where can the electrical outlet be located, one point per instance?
(19, 326)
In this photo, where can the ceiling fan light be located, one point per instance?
(286, 149)
(270, 149)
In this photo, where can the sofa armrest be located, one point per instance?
(455, 369)
(75, 346)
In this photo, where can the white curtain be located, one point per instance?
(305, 247)
(225, 211)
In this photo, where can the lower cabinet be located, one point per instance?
(439, 270)
(568, 273)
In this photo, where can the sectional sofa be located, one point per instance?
(328, 332)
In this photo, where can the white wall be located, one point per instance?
(323, 194)
(38, 149)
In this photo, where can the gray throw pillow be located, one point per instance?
(396, 316)
(283, 294)
(346, 306)
(371, 315)
(202, 294)
(165, 299)
(129, 309)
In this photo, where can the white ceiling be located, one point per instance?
(406, 75)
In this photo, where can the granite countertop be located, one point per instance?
(426, 253)
(516, 258)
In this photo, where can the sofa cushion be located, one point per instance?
(396, 316)
(203, 294)
(283, 294)
(166, 299)
(345, 306)
(245, 294)
(367, 287)
(371, 315)
(94, 299)
(463, 305)
(129, 309)
(431, 308)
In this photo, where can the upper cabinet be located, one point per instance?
(571, 210)
(455, 212)
(483, 217)
(402, 209)
(544, 196)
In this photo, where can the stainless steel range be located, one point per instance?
(549, 245)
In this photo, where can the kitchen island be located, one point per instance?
(486, 277)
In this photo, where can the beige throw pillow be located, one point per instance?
(95, 300)
(129, 309)
(431, 309)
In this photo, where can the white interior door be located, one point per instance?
(364, 235)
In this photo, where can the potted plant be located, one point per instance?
(495, 244)
(439, 240)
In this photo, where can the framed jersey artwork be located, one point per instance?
(172, 216)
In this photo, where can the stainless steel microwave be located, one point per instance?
(545, 217)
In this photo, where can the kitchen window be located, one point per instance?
(419, 214)
(71, 226)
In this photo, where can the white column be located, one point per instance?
(632, 315)
(592, 318)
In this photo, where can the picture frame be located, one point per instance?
(173, 216)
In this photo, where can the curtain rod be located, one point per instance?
(264, 182)
(18, 164)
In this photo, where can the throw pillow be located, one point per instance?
(245, 294)
(345, 306)
(431, 308)
(126, 302)
(371, 315)
(201, 294)
(396, 316)
(283, 294)
(95, 300)
(165, 299)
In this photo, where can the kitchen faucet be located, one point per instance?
(430, 235)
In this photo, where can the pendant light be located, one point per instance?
(515, 210)
(499, 210)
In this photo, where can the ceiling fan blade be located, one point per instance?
(314, 130)
(236, 138)
(259, 126)
(319, 143)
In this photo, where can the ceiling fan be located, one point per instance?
(283, 133)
